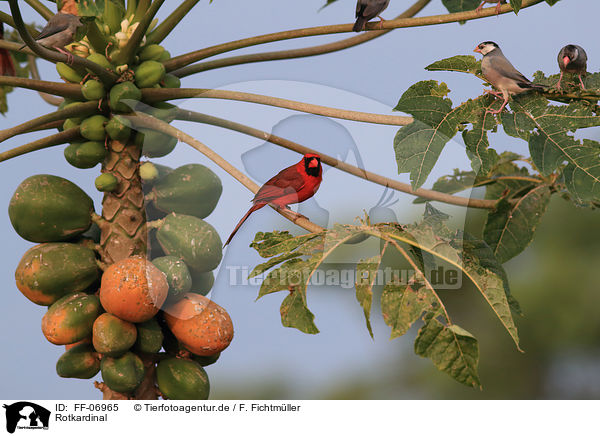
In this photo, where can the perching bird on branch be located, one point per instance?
(367, 10)
(572, 59)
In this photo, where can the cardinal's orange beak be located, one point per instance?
(313, 163)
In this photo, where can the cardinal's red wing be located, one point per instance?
(288, 181)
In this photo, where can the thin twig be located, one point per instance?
(35, 74)
(49, 141)
(155, 94)
(195, 56)
(81, 109)
(186, 115)
(143, 120)
(297, 53)
(106, 76)
(68, 90)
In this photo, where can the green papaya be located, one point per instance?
(117, 129)
(49, 271)
(149, 73)
(69, 124)
(180, 379)
(191, 189)
(67, 73)
(93, 90)
(149, 337)
(92, 128)
(113, 336)
(70, 319)
(47, 208)
(151, 52)
(202, 282)
(155, 144)
(148, 172)
(171, 81)
(177, 273)
(191, 239)
(80, 361)
(124, 96)
(164, 57)
(101, 60)
(206, 360)
(85, 154)
(106, 182)
(122, 374)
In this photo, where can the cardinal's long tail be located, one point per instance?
(245, 217)
(7, 67)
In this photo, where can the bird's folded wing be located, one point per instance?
(287, 182)
(51, 30)
(373, 8)
(505, 68)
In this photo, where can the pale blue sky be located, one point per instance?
(370, 77)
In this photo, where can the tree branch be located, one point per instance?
(49, 141)
(186, 115)
(297, 53)
(106, 76)
(35, 74)
(125, 56)
(155, 94)
(68, 90)
(81, 109)
(143, 120)
(169, 23)
(195, 56)
(40, 9)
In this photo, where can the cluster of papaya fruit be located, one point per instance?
(117, 320)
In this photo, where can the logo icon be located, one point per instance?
(26, 415)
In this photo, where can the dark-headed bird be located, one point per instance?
(572, 59)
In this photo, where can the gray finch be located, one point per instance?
(501, 74)
(59, 32)
(367, 10)
(572, 59)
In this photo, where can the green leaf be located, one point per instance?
(366, 274)
(516, 5)
(402, 305)
(510, 228)
(476, 139)
(452, 350)
(295, 313)
(270, 244)
(419, 144)
(457, 182)
(327, 4)
(460, 5)
(460, 63)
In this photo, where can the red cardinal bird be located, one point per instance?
(7, 67)
(291, 185)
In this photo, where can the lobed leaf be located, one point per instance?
(402, 305)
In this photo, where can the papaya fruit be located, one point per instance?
(124, 96)
(112, 336)
(69, 124)
(155, 144)
(47, 208)
(87, 340)
(151, 52)
(71, 318)
(101, 60)
(117, 129)
(67, 73)
(92, 128)
(191, 189)
(49, 271)
(177, 274)
(191, 239)
(85, 154)
(164, 57)
(93, 90)
(206, 360)
(106, 182)
(133, 289)
(80, 361)
(202, 282)
(149, 73)
(148, 172)
(201, 325)
(181, 379)
(122, 374)
(171, 81)
(149, 337)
